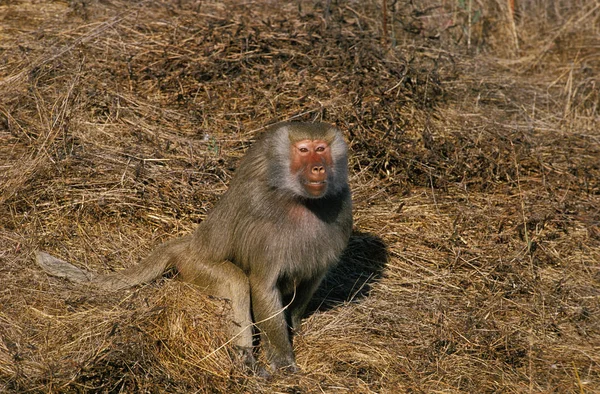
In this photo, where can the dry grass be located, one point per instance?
(475, 169)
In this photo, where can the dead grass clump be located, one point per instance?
(473, 128)
(168, 340)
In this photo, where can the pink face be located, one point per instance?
(311, 159)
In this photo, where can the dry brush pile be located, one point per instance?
(475, 169)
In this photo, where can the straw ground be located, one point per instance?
(475, 168)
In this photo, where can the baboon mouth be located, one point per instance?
(315, 185)
(315, 188)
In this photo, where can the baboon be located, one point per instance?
(267, 243)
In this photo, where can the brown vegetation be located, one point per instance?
(475, 169)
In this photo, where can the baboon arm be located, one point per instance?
(303, 295)
(269, 315)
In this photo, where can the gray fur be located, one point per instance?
(266, 240)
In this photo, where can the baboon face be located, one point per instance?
(310, 162)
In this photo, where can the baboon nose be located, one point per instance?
(318, 170)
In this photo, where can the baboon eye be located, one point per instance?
(320, 149)
(303, 149)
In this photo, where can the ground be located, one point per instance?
(473, 127)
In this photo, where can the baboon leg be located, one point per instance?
(225, 280)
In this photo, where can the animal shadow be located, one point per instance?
(360, 266)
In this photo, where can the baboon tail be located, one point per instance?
(151, 268)
(57, 267)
